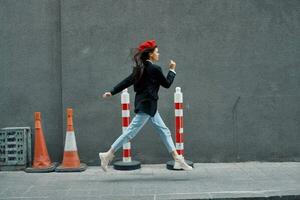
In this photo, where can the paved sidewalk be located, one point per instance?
(206, 181)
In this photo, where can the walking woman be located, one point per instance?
(146, 78)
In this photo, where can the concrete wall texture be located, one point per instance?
(237, 61)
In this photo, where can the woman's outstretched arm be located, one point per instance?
(165, 81)
(128, 81)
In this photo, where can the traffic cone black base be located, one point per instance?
(81, 168)
(133, 165)
(51, 168)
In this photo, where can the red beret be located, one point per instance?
(147, 44)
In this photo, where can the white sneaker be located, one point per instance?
(176, 165)
(105, 159)
(181, 164)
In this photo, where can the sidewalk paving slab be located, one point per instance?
(248, 180)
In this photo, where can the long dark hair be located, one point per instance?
(139, 58)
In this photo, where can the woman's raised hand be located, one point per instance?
(106, 94)
(172, 64)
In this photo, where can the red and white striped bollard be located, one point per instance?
(127, 163)
(178, 104)
(125, 123)
(179, 135)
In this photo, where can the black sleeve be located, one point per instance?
(166, 82)
(123, 84)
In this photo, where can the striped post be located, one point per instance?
(178, 103)
(126, 163)
(179, 139)
(125, 101)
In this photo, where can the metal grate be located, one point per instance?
(15, 146)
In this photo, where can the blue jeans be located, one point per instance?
(136, 125)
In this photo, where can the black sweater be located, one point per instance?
(146, 88)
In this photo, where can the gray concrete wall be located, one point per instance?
(30, 69)
(237, 64)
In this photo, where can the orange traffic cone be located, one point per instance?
(41, 161)
(71, 162)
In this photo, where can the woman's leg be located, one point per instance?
(165, 135)
(139, 120)
(164, 132)
(134, 127)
